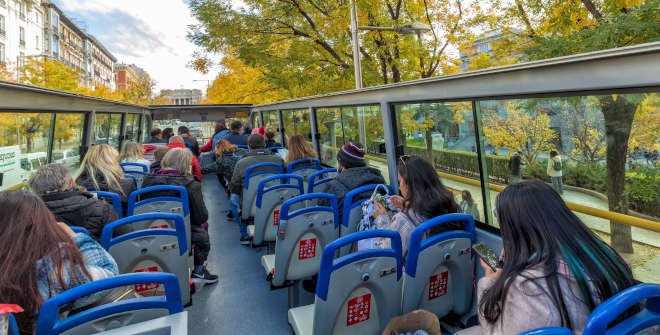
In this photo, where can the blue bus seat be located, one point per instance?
(304, 167)
(253, 175)
(352, 212)
(612, 308)
(136, 170)
(356, 294)
(175, 324)
(320, 177)
(302, 235)
(115, 200)
(112, 315)
(8, 324)
(269, 201)
(12, 327)
(151, 250)
(134, 179)
(79, 230)
(549, 331)
(439, 270)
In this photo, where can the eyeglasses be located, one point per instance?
(403, 159)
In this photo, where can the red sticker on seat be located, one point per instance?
(160, 226)
(276, 217)
(146, 287)
(358, 309)
(307, 249)
(438, 285)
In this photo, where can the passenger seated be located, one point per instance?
(221, 132)
(556, 270)
(189, 140)
(175, 170)
(353, 173)
(167, 134)
(257, 154)
(157, 136)
(270, 139)
(51, 258)
(227, 155)
(158, 156)
(133, 152)
(299, 149)
(100, 171)
(236, 136)
(56, 187)
(177, 142)
(422, 197)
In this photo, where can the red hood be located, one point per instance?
(176, 145)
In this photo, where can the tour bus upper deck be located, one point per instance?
(468, 125)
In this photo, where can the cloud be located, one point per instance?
(148, 33)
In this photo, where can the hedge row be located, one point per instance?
(465, 163)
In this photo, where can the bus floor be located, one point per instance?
(241, 302)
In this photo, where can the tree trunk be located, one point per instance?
(618, 116)
(429, 145)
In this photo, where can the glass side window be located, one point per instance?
(132, 127)
(297, 122)
(331, 138)
(598, 151)
(255, 120)
(68, 139)
(146, 135)
(107, 128)
(272, 121)
(443, 133)
(23, 146)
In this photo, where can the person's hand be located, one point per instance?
(379, 210)
(397, 201)
(66, 229)
(489, 272)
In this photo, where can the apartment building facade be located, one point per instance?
(21, 31)
(128, 74)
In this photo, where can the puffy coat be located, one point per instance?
(350, 179)
(82, 209)
(127, 185)
(198, 212)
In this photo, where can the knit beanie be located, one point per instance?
(351, 155)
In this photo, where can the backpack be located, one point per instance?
(556, 165)
(368, 222)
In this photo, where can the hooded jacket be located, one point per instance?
(350, 179)
(196, 169)
(198, 212)
(82, 209)
(253, 157)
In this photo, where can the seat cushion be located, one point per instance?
(268, 262)
(250, 230)
(301, 319)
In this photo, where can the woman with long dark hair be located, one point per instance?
(422, 197)
(556, 270)
(41, 258)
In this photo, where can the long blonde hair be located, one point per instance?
(299, 149)
(131, 152)
(102, 159)
(178, 159)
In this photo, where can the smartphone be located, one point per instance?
(487, 254)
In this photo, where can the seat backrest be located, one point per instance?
(79, 230)
(352, 211)
(12, 327)
(253, 175)
(159, 199)
(136, 170)
(300, 166)
(7, 320)
(358, 293)
(112, 315)
(269, 200)
(150, 250)
(115, 200)
(134, 179)
(320, 177)
(302, 234)
(439, 268)
(612, 308)
(549, 331)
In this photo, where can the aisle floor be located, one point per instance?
(241, 302)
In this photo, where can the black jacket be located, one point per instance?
(514, 165)
(198, 212)
(350, 179)
(126, 184)
(191, 142)
(77, 208)
(236, 139)
(253, 157)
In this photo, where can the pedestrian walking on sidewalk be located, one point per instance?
(554, 171)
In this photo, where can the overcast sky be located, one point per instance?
(148, 33)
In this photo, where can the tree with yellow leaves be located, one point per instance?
(527, 131)
(645, 131)
(44, 72)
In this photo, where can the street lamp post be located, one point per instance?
(408, 29)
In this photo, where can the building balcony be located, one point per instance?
(3, 32)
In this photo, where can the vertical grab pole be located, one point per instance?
(390, 146)
(356, 46)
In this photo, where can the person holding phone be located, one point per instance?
(555, 270)
(422, 197)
